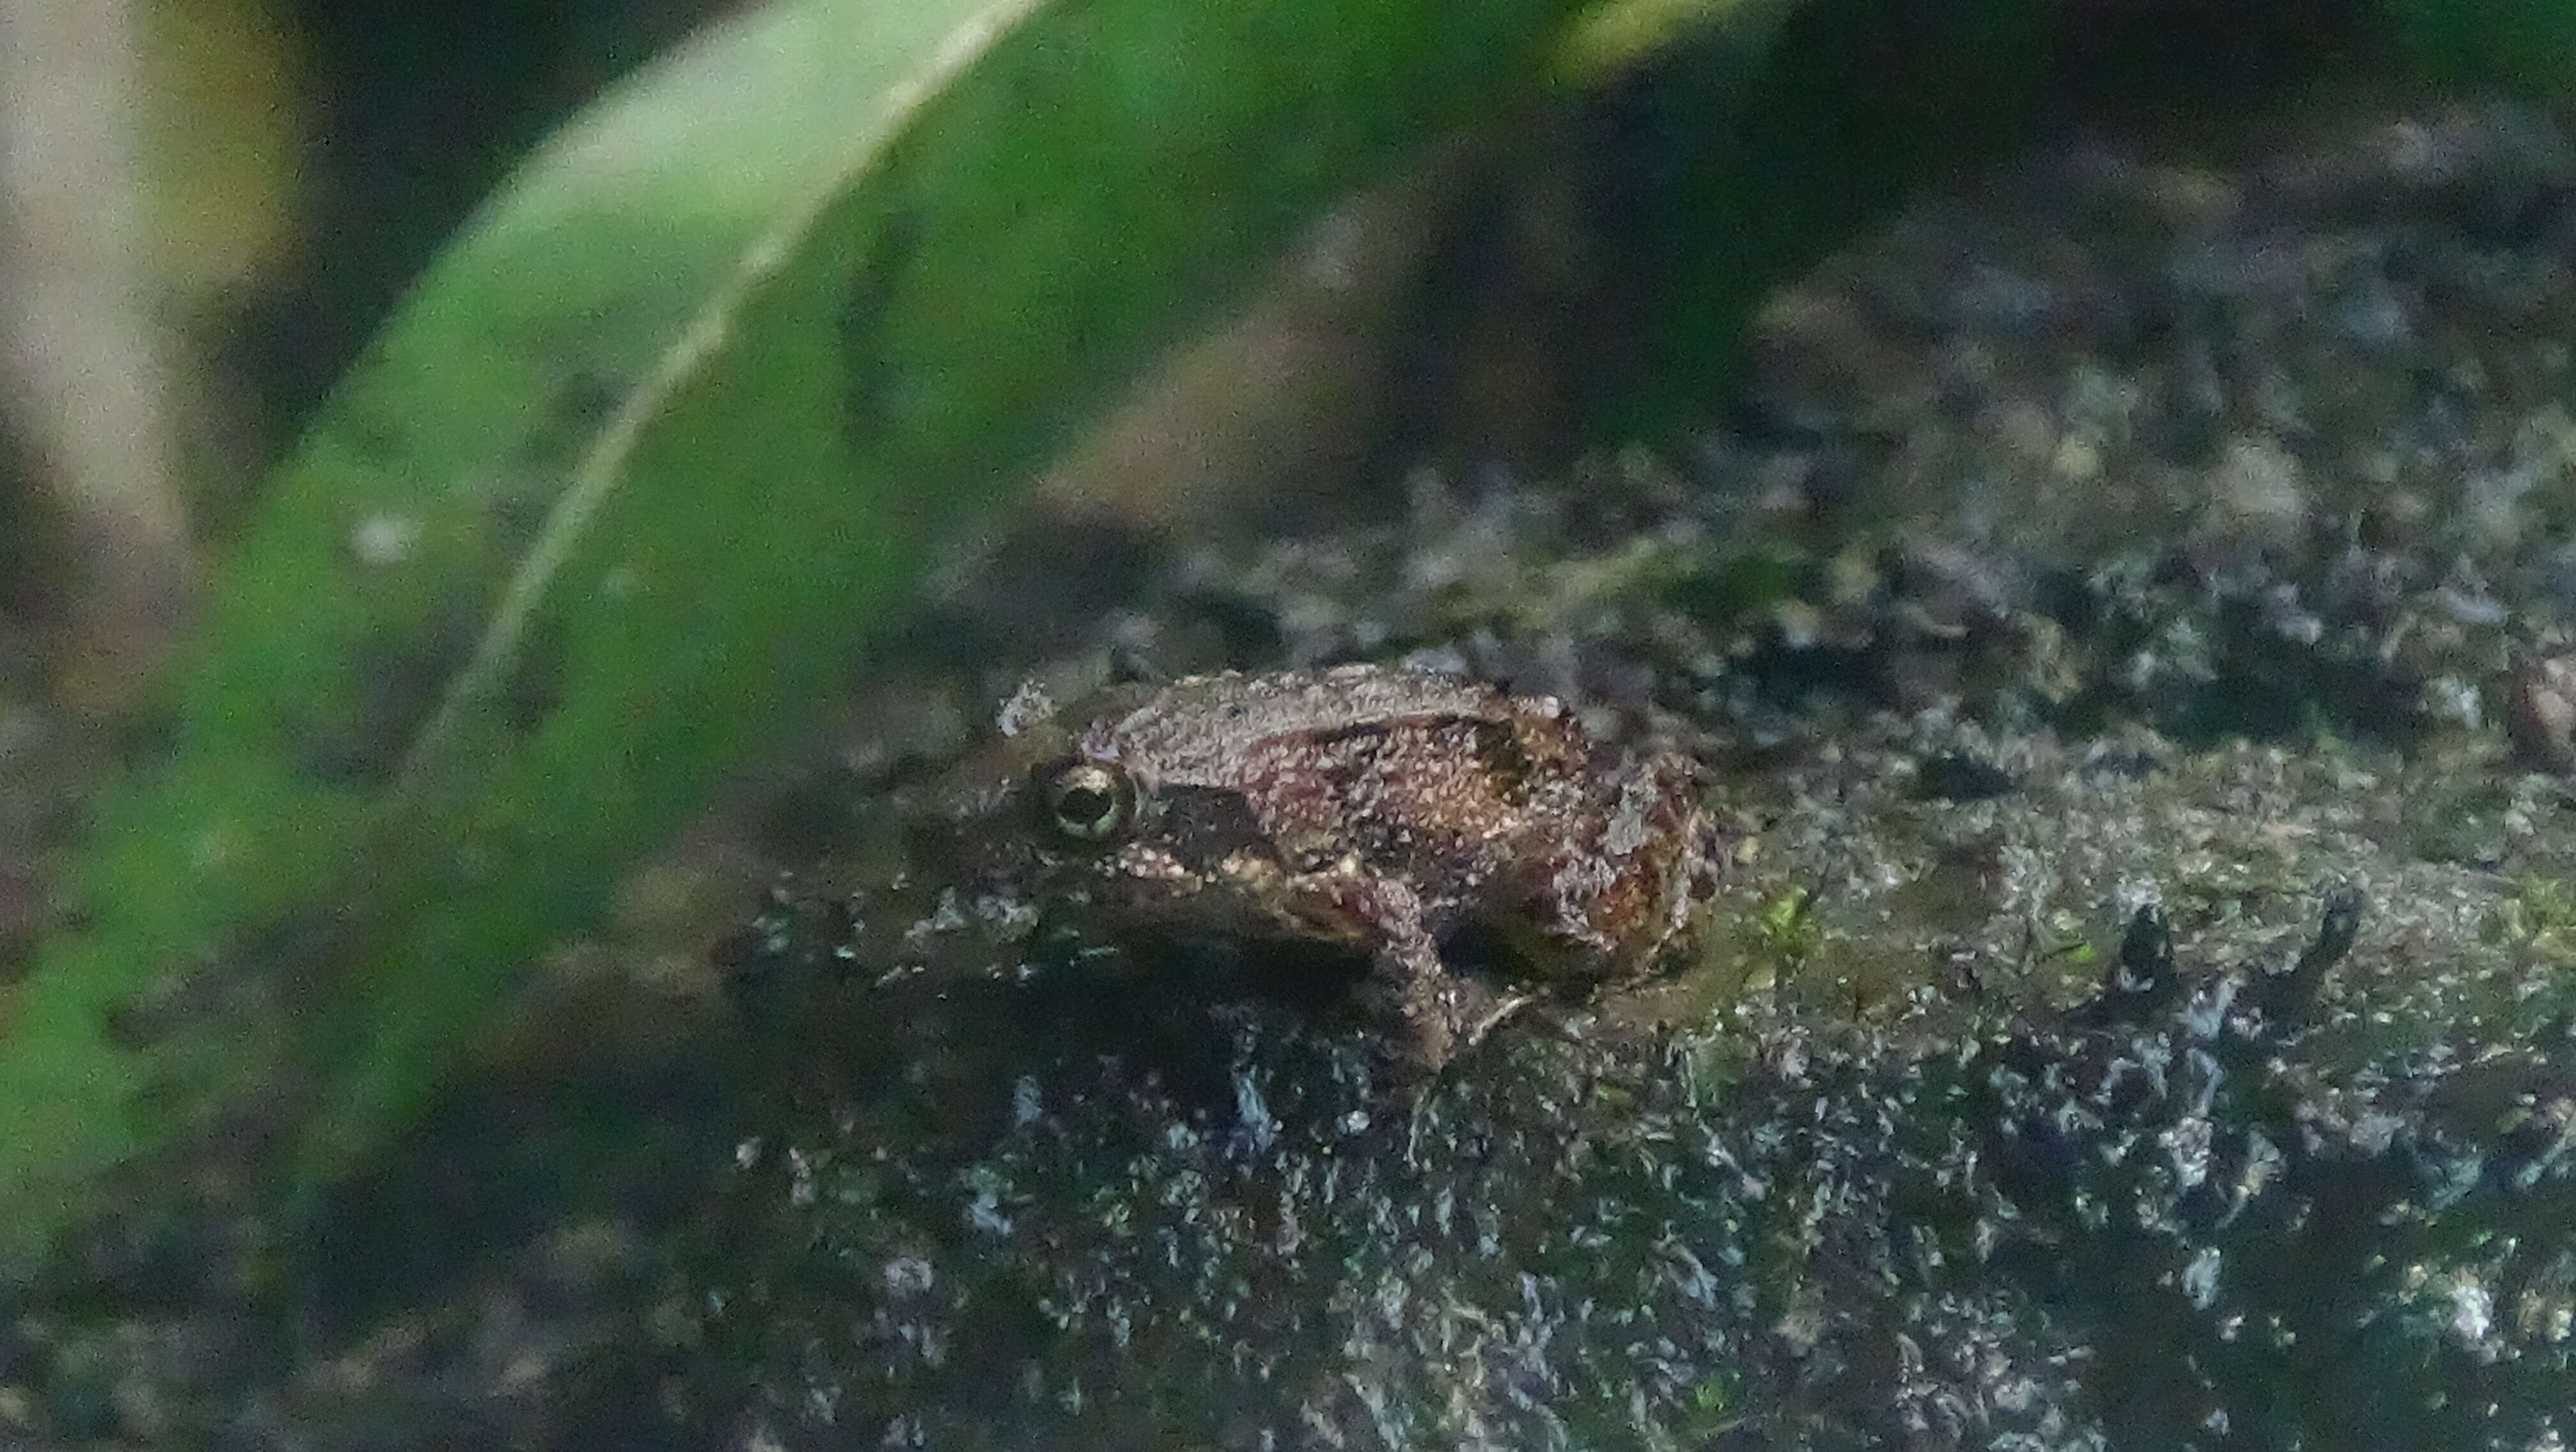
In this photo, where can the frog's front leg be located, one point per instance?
(1441, 1011)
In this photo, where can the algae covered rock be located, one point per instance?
(2142, 1015)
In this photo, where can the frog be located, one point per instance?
(1385, 813)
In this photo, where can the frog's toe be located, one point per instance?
(1444, 1014)
(1502, 1007)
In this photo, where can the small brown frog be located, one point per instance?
(1387, 811)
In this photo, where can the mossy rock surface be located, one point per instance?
(2143, 1015)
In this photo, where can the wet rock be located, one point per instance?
(2540, 713)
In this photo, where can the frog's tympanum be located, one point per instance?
(1387, 811)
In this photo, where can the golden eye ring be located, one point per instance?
(1089, 802)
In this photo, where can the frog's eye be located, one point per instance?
(1088, 801)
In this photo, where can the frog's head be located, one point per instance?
(1063, 792)
(1072, 814)
(1029, 808)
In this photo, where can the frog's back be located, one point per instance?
(1207, 730)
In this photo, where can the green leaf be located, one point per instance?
(613, 503)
